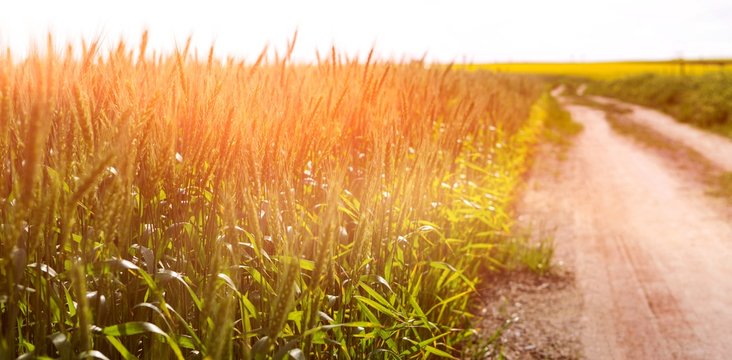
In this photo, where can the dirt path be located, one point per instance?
(715, 148)
(652, 254)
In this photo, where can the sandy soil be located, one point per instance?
(540, 315)
(651, 253)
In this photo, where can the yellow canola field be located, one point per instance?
(609, 70)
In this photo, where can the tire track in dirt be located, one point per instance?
(659, 298)
(650, 251)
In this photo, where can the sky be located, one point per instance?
(441, 31)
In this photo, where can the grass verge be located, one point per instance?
(704, 100)
(560, 128)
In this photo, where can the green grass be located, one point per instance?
(525, 252)
(704, 101)
(560, 128)
(176, 207)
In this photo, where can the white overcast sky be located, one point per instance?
(455, 30)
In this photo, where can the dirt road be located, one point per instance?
(652, 254)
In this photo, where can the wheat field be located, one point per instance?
(175, 206)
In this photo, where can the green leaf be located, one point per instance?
(381, 308)
(307, 265)
(227, 280)
(438, 352)
(197, 343)
(424, 344)
(140, 327)
(450, 299)
(183, 281)
(186, 342)
(132, 328)
(374, 294)
(126, 354)
(356, 324)
(295, 316)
